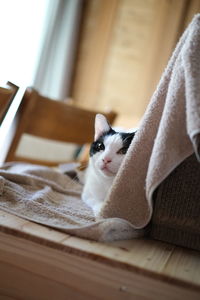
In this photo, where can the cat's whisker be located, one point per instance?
(74, 178)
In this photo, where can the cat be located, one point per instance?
(106, 155)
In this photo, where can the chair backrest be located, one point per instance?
(53, 120)
(7, 93)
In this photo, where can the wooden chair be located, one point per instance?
(53, 120)
(7, 94)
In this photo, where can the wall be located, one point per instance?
(124, 48)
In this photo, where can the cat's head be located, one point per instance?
(109, 147)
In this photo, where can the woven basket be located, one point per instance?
(176, 217)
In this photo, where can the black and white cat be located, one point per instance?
(106, 155)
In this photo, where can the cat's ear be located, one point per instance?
(101, 126)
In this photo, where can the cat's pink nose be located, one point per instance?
(107, 160)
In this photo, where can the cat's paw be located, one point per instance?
(97, 208)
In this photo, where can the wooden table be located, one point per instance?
(37, 262)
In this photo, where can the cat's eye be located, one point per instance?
(100, 146)
(122, 150)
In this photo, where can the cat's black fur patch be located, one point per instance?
(126, 139)
(94, 148)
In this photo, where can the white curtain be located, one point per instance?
(56, 62)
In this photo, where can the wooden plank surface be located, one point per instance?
(34, 271)
(154, 259)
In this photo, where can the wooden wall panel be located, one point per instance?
(193, 8)
(124, 49)
(94, 44)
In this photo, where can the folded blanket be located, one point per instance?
(168, 133)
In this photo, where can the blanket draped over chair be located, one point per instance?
(168, 133)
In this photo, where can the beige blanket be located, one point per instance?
(168, 133)
(48, 197)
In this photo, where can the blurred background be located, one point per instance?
(100, 54)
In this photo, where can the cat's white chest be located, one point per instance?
(95, 189)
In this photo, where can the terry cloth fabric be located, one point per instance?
(48, 197)
(167, 135)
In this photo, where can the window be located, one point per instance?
(22, 30)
